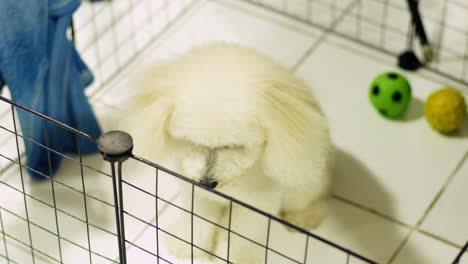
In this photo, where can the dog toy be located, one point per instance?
(445, 110)
(390, 94)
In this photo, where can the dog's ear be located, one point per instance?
(151, 83)
(297, 139)
(148, 111)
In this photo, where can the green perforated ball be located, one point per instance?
(390, 94)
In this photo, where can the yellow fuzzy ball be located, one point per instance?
(445, 110)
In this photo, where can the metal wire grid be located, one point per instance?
(123, 213)
(380, 24)
(110, 34)
(25, 217)
(384, 25)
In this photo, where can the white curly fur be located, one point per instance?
(233, 115)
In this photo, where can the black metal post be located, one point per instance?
(116, 147)
(462, 252)
(408, 59)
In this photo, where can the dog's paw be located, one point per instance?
(241, 250)
(309, 218)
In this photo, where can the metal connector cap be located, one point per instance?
(409, 61)
(115, 145)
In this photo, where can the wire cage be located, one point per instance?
(386, 26)
(116, 154)
(34, 216)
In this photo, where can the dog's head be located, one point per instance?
(215, 126)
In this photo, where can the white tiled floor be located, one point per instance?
(434, 251)
(450, 211)
(381, 164)
(368, 234)
(387, 178)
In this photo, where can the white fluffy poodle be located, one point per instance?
(237, 122)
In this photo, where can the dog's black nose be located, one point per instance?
(209, 183)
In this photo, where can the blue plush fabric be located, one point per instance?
(44, 72)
